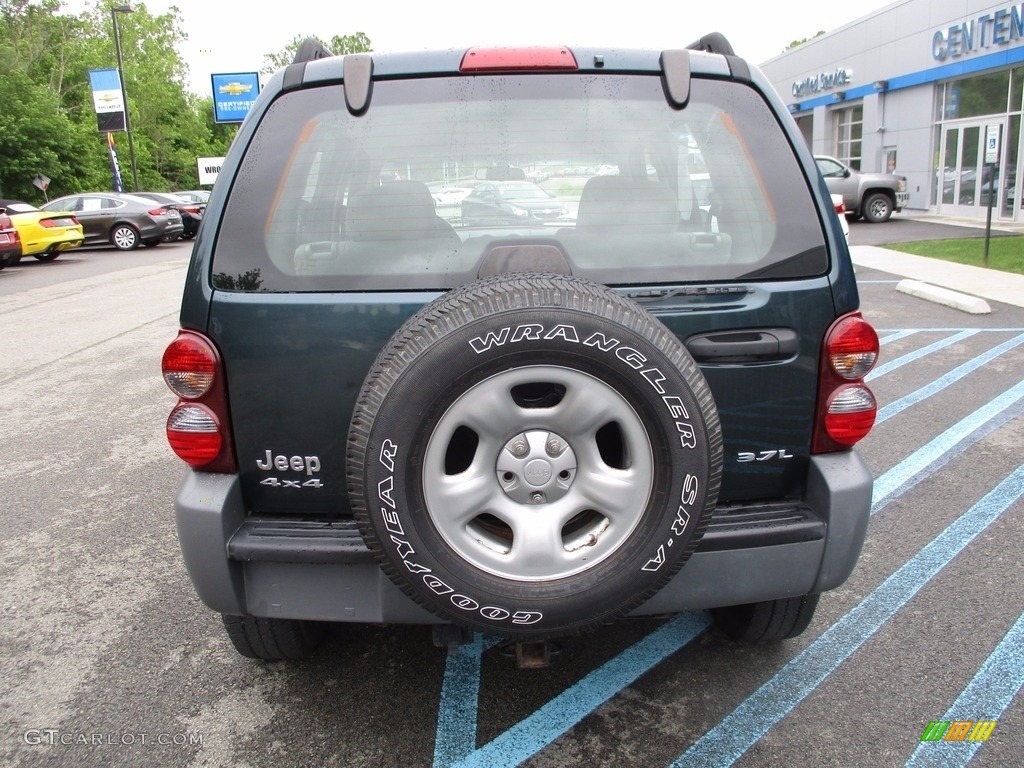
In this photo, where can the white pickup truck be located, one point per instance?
(872, 195)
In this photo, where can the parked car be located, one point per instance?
(191, 212)
(45, 233)
(644, 410)
(840, 208)
(448, 199)
(873, 196)
(195, 195)
(122, 220)
(510, 202)
(10, 242)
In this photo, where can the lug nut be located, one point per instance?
(554, 446)
(519, 448)
(536, 497)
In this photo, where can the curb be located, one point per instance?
(970, 304)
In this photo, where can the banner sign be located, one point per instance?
(115, 169)
(108, 99)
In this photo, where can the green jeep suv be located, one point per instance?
(519, 341)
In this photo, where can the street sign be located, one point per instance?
(992, 144)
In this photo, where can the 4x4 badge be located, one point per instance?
(308, 464)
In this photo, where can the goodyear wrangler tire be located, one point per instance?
(533, 455)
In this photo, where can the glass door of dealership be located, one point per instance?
(967, 182)
(964, 109)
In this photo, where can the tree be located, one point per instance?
(798, 43)
(39, 129)
(338, 45)
(47, 118)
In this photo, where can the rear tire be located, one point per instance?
(767, 622)
(124, 237)
(48, 256)
(256, 637)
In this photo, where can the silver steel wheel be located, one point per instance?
(538, 473)
(878, 208)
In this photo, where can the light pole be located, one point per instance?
(114, 10)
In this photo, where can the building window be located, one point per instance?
(848, 125)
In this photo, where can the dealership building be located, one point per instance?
(929, 89)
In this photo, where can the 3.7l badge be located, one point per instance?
(744, 457)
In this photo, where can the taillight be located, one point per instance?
(198, 428)
(840, 207)
(157, 211)
(846, 407)
(194, 434)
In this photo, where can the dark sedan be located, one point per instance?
(509, 202)
(121, 220)
(191, 212)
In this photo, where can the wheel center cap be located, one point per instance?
(536, 467)
(537, 472)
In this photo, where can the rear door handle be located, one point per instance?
(753, 345)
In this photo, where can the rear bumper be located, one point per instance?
(323, 571)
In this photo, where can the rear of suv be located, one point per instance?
(637, 394)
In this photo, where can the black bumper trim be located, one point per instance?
(280, 540)
(299, 541)
(761, 525)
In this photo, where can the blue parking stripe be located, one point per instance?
(928, 459)
(896, 336)
(944, 381)
(917, 354)
(986, 697)
(546, 724)
(751, 720)
(460, 692)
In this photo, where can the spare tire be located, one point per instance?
(533, 455)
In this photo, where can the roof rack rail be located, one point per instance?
(311, 49)
(713, 42)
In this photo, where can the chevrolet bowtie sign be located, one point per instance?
(233, 95)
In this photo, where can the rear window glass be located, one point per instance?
(446, 179)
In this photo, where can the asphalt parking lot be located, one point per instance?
(110, 660)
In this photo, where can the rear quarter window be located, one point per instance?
(449, 178)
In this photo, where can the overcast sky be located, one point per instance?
(226, 36)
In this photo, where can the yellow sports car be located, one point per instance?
(44, 234)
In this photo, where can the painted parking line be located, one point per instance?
(942, 382)
(986, 697)
(928, 459)
(896, 336)
(568, 708)
(752, 719)
(924, 351)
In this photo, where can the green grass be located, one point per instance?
(1004, 253)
